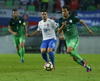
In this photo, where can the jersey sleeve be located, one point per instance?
(76, 19)
(39, 27)
(59, 23)
(54, 24)
(23, 22)
(9, 22)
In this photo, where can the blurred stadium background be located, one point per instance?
(30, 10)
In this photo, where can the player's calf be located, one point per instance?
(74, 58)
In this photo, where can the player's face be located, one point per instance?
(15, 14)
(44, 15)
(65, 12)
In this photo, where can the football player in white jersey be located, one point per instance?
(47, 27)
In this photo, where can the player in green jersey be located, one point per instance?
(67, 24)
(16, 27)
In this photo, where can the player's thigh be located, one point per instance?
(22, 41)
(16, 41)
(52, 44)
(72, 43)
(43, 46)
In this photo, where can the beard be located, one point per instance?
(15, 17)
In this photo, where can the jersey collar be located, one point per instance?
(46, 20)
(67, 18)
(14, 19)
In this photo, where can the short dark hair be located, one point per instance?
(44, 11)
(66, 7)
(14, 9)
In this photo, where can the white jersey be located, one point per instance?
(47, 28)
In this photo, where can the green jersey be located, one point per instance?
(70, 30)
(17, 26)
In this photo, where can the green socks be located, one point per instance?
(87, 66)
(74, 53)
(18, 53)
(22, 52)
(79, 62)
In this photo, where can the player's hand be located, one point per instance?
(64, 23)
(62, 38)
(29, 35)
(90, 32)
(26, 35)
(15, 33)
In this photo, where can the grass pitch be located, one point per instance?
(33, 69)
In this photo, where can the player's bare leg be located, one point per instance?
(76, 60)
(43, 50)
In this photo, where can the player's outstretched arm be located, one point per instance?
(9, 29)
(62, 36)
(86, 27)
(35, 33)
(61, 28)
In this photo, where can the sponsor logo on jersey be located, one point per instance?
(70, 21)
(19, 21)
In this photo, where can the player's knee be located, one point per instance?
(69, 51)
(50, 50)
(43, 51)
(22, 45)
(17, 48)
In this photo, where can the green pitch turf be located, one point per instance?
(33, 69)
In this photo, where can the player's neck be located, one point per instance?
(65, 17)
(44, 20)
(15, 18)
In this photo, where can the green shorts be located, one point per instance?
(72, 43)
(17, 40)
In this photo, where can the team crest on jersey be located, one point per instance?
(19, 21)
(48, 25)
(70, 21)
